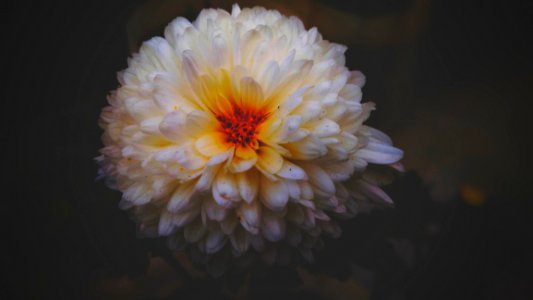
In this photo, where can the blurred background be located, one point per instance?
(452, 81)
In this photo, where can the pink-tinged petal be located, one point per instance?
(357, 78)
(398, 167)
(274, 194)
(373, 192)
(321, 215)
(272, 226)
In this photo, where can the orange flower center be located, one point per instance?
(241, 125)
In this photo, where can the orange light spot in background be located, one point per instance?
(473, 195)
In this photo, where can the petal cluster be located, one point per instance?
(242, 131)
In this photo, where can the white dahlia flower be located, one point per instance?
(242, 131)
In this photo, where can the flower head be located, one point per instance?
(242, 130)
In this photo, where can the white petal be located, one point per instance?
(213, 211)
(240, 240)
(325, 128)
(339, 171)
(205, 181)
(251, 91)
(165, 226)
(181, 198)
(220, 157)
(294, 189)
(292, 101)
(229, 223)
(307, 148)
(319, 178)
(173, 125)
(214, 241)
(289, 127)
(151, 125)
(235, 10)
(380, 153)
(291, 171)
(250, 216)
(378, 135)
(307, 190)
(138, 193)
(274, 194)
(194, 231)
(176, 28)
(225, 190)
(248, 185)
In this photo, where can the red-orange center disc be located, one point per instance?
(241, 125)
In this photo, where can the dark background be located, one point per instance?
(452, 81)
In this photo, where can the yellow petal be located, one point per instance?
(245, 153)
(269, 160)
(212, 144)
